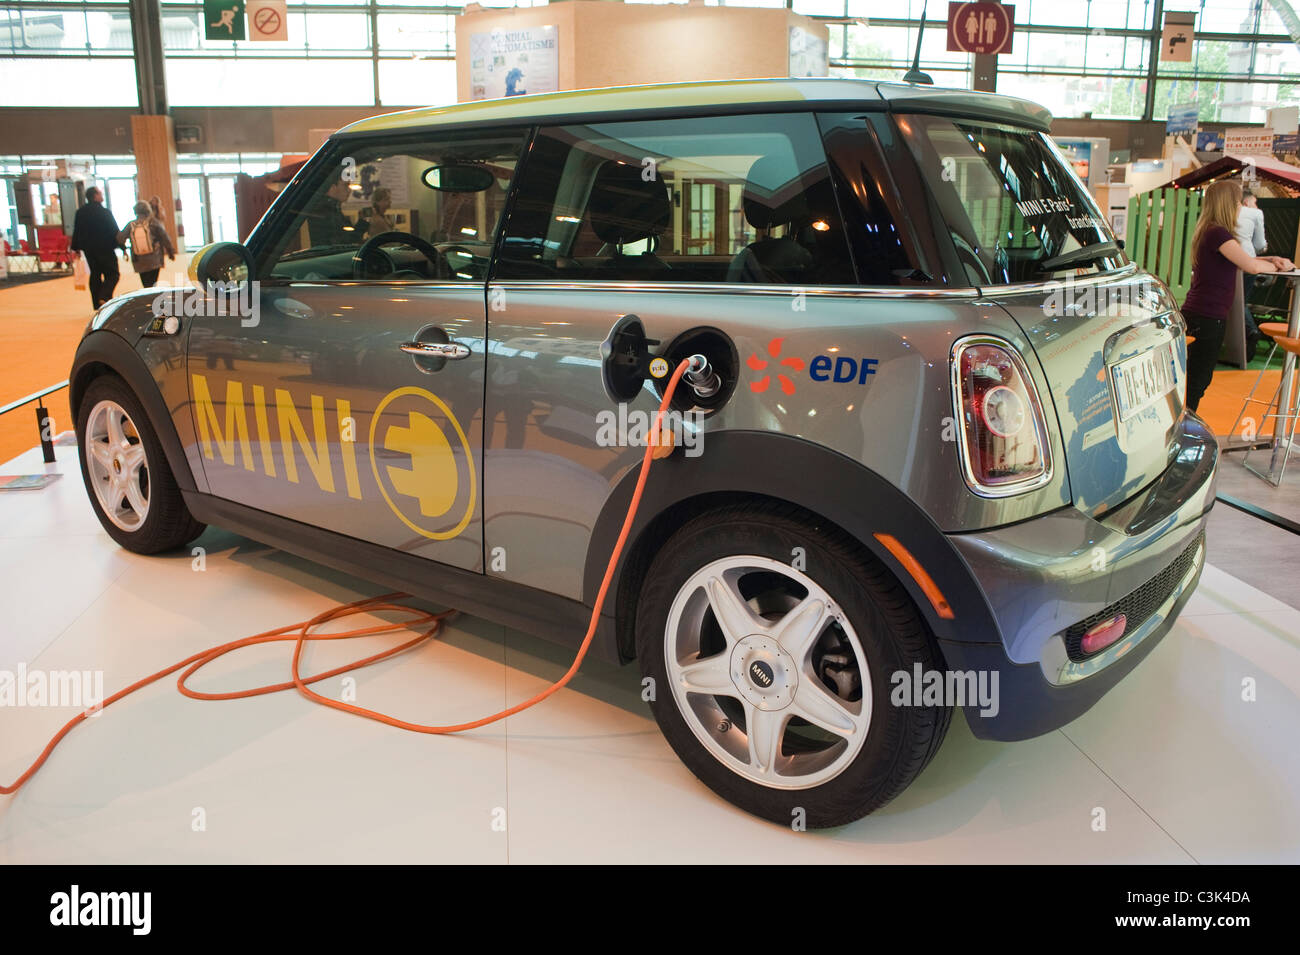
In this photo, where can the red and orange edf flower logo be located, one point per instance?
(758, 364)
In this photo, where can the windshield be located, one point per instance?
(1014, 208)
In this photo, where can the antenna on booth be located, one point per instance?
(914, 75)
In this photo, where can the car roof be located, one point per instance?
(682, 99)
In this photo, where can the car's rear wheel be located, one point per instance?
(772, 640)
(125, 470)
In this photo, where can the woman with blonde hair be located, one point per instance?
(1216, 258)
(380, 202)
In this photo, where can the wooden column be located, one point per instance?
(154, 144)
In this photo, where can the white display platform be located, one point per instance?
(1184, 769)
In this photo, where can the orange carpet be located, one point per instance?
(1221, 402)
(40, 326)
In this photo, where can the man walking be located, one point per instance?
(94, 233)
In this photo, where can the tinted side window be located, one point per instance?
(745, 199)
(394, 212)
(874, 195)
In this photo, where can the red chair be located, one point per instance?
(53, 246)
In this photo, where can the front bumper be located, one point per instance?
(1043, 576)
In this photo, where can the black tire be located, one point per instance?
(168, 523)
(900, 740)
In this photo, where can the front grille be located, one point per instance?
(1139, 605)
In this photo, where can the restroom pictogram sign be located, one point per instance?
(268, 20)
(980, 27)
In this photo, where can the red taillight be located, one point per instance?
(1003, 432)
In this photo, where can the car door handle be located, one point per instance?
(452, 350)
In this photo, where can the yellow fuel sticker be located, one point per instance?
(428, 475)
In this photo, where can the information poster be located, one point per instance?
(809, 55)
(1079, 154)
(1182, 118)
(1249, 140)
(514, 62)
(1209, 142)
(393, 174)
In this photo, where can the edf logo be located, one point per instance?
(843, 369)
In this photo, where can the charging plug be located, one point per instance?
(701, 377)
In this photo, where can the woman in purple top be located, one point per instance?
(1216, 257)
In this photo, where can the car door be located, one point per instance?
(347, 391)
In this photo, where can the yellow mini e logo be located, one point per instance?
(420, 466)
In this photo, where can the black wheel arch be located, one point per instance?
(776, 467)
(105, 352)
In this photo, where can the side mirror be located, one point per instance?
(223, 265)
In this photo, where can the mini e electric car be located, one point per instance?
(936, 455)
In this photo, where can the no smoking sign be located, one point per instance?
(268, 20)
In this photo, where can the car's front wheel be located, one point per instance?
(772, 640)
(127, 478)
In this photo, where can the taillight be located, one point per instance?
(1003, 440)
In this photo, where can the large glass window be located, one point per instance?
(1014, 211)
(1076, 57)
(413, 212)
(711, 199)
(69, 54)
(65, 29)
(68, 81)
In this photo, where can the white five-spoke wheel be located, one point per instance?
(124, 465)
(117, 465)
(770, 641)
(781, 694)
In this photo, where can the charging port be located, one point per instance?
(710, 387)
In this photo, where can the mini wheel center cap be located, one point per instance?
(763, 673)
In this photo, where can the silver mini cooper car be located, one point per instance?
(933, 453)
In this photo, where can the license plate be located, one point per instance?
(1143, 380)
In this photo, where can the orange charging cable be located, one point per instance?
(301, 633)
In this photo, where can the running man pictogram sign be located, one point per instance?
(979, 27)
(268, 20)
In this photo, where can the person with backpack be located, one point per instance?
(149, 241)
